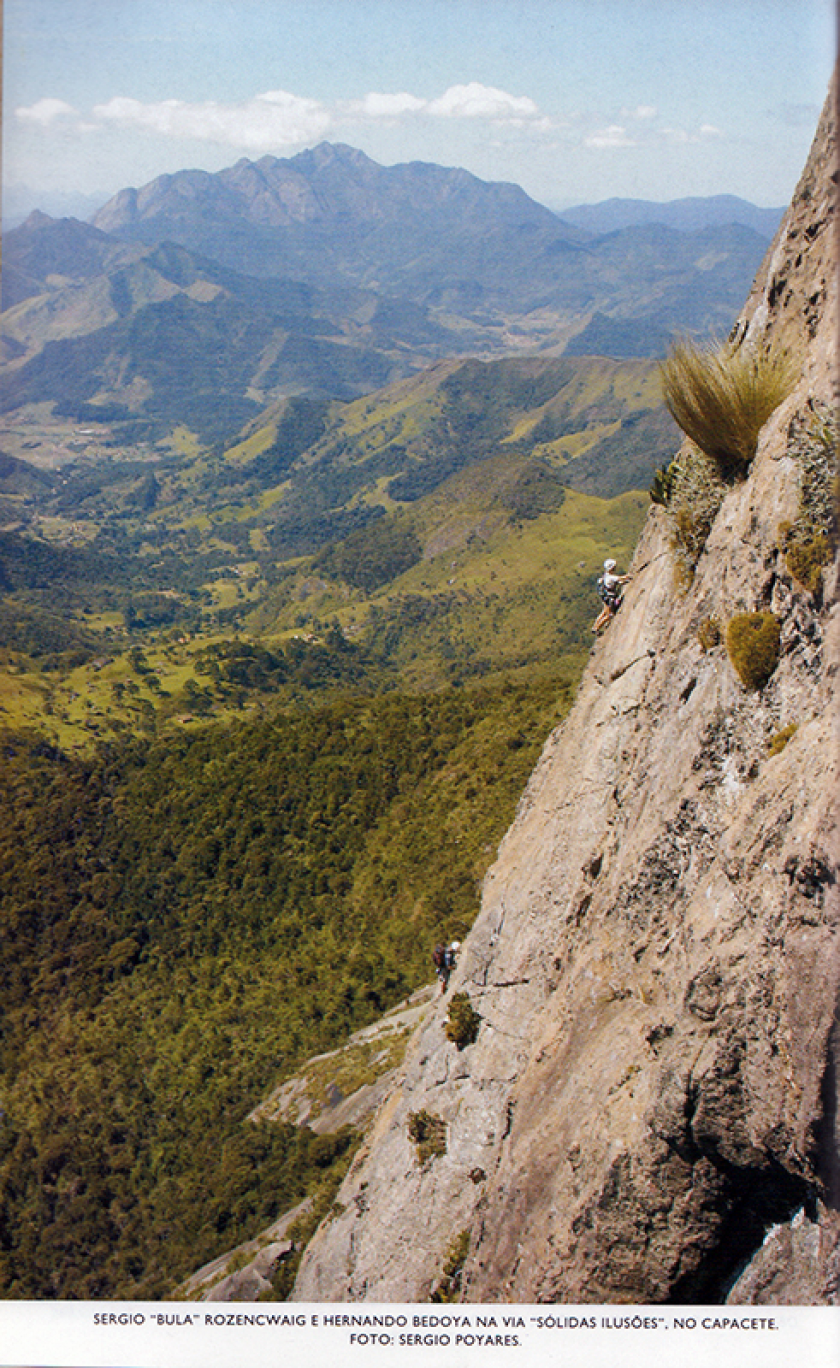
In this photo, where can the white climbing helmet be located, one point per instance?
(609, 564)
(456, 945)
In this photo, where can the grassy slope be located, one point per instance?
(498, 602)
(491, 597)
(494, 592)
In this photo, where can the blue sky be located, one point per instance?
(575, 100)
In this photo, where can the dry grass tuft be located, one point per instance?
(721, 397)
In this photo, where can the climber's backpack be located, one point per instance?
(439, 956)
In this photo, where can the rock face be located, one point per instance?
(245, 1273)
(346, 1086)
(649, 1110)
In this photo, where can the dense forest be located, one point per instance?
(186, 918)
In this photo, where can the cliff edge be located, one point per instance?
(648, 1111)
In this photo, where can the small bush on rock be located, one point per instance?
(696, 494)
(777, 743)
(463, 1021)
(752, 641)
(449, 1287)
(662, 485)
(809, 542)
(428, 1132)
(708, 633)
(807, 558)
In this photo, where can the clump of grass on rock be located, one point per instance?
(449, 1287)
(721, 397)
(779, 740)
(752, 641)
(697, 493)
(810, 541)
(708, 633)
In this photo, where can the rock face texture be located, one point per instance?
(649, 1110)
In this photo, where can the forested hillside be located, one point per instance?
(267, 711)
(186, 920)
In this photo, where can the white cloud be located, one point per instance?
(471, 101)
(476, 101)
(687, 135)
(376, 106)
(613, 136)
(45, 112)
(647, 133)
(262, 124)
(276, 119)
(640, 112)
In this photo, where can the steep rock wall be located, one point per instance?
(649, 1111)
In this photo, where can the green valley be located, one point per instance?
(266, 711)
(443, 530)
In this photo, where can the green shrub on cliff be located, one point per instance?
(807, 557)
(779, 740)
(662, 484)
(708, 633)
(449, 1287)
(752, 641)
(696, 493)
(428, 1132)
(462, 1021)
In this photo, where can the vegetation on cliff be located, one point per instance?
(752, 642)
(722, 397)
(810, 540)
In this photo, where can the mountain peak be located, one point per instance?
(230, 214)
(37, 219)
(326, 153)
(311, 158)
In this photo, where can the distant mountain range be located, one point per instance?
(201, 298)
(159, 334)
(686, 215)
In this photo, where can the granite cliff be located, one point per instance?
(648, 1111)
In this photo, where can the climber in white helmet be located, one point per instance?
(609, 589)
